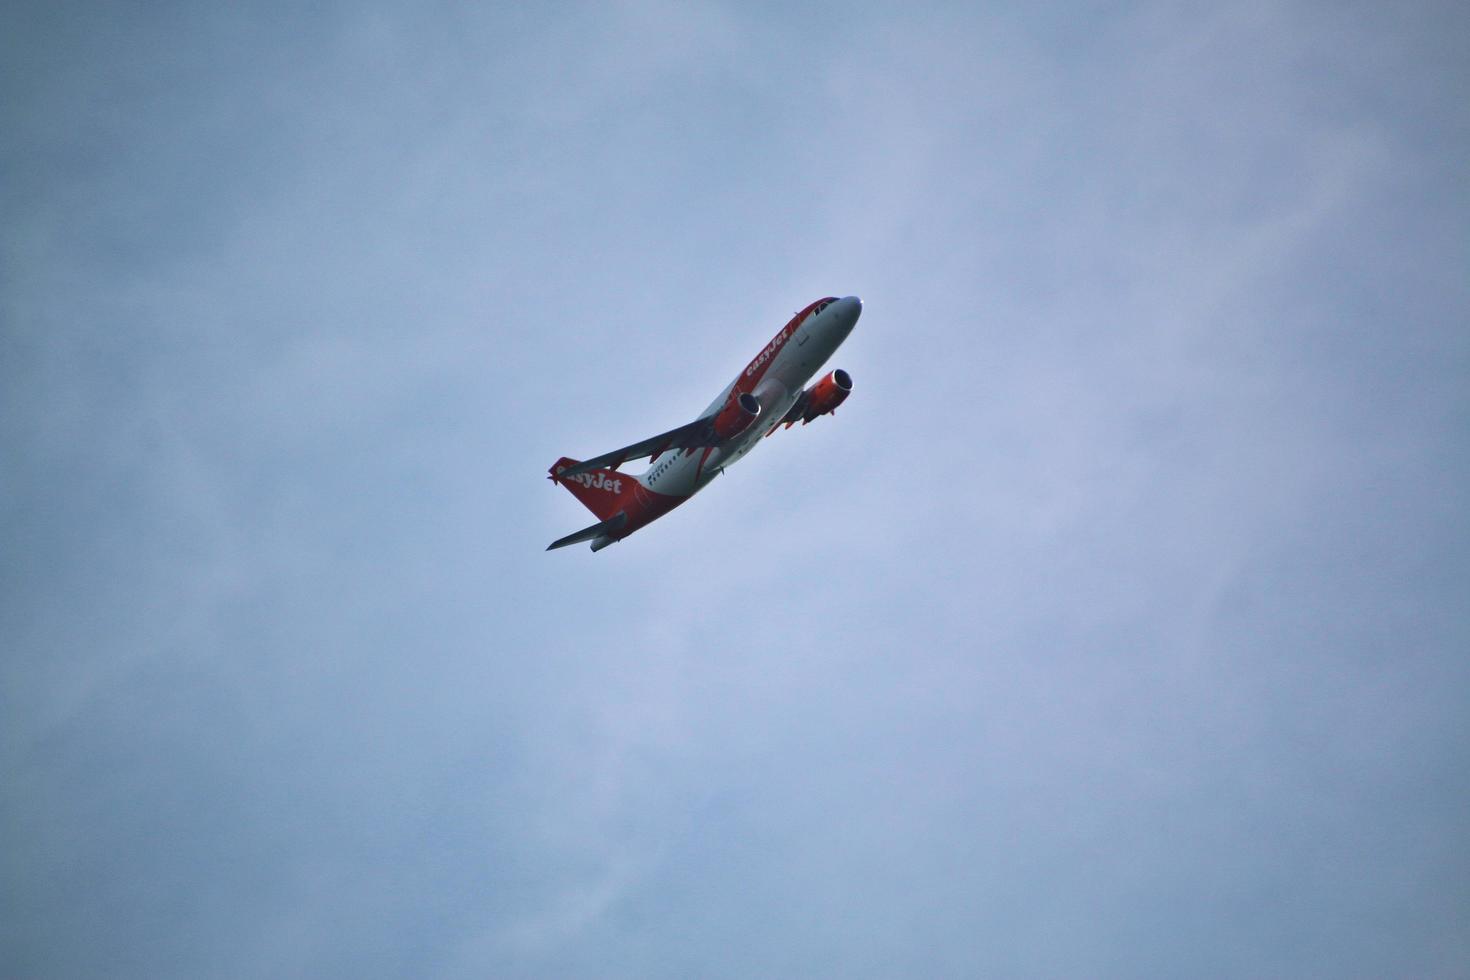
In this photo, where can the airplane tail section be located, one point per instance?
(601, 534)
(600, 491)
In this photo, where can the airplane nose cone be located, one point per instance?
(844, 315)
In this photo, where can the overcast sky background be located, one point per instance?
(1118, 625)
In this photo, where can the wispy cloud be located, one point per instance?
(1112, 627)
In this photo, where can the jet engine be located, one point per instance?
(823, 397)
(737, 416)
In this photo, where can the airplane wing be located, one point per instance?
(693, 435)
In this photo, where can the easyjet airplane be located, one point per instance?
(768, 392)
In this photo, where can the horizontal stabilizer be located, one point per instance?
(611, 526)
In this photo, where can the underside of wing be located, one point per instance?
(690, 436)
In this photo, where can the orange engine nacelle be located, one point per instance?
(824, 396)
(737, 416)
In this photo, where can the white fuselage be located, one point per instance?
(776, 378)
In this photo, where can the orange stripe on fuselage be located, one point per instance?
(756, 369)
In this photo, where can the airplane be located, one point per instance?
(769, 392)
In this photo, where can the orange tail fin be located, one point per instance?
(601, 491)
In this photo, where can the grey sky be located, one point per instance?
(1117, 626)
